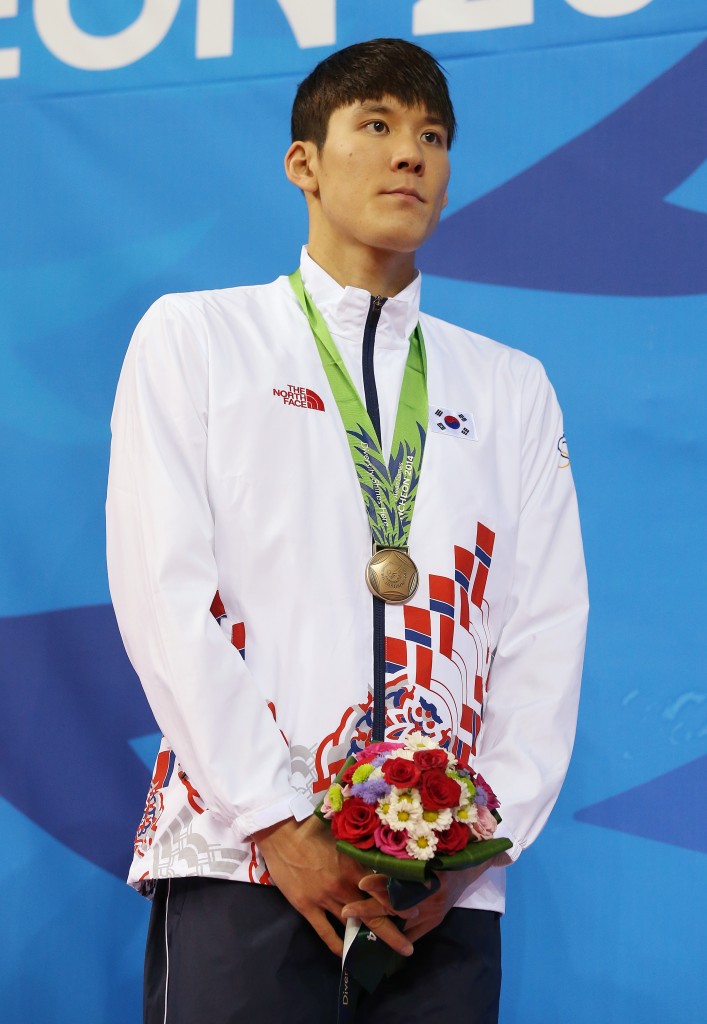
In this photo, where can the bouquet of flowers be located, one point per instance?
(407, 810)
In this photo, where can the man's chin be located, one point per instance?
(399, 240)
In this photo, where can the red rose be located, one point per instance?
(400, 772)
(425, 759)
(437, 790)
(454, 839)
(347, 776)
(355, 823)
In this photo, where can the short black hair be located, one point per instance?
(370, 71)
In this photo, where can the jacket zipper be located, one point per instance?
(373, 409)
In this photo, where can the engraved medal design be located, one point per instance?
(392, 575)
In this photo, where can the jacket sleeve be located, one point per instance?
(531, 704)
(163, 576)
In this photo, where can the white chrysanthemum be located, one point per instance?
(408, 798)
(418, 741)
(405, 753)
(383, 810)
(405, 810)
(421, 828)
(467, 815)
(438, 821)
(422, 847)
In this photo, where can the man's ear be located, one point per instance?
(301, 166)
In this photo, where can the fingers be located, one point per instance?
(431, 912)
(420, 928)
(377, 905)
(377, 887)
(374, 884)
(384, 928)
(314, 877)
(365, 908)
(369, 913)
(380, 895)
(326, 933)
(416, 932)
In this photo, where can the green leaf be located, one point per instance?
(385, 864)
(420, 870)
(475, 853)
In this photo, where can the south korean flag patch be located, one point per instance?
(453, 424)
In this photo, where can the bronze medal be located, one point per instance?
(392, 575)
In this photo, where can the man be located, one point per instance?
(232, 474)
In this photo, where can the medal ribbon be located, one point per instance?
(388, 491)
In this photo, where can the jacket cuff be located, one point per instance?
(296, 806)
(510, 855)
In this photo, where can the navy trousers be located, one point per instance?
(222, 952)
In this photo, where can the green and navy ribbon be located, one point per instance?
(388, 490)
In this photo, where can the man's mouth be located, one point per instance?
(411, 192)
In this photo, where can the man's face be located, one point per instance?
(382, 176)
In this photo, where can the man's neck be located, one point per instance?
(376, 271)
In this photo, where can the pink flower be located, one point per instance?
(374, 749)
(327, 810)
(485, 825)
(388, 841)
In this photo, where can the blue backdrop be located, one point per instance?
(141, 153)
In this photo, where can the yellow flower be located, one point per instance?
(362, 773)
(336, 800)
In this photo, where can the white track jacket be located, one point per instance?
(231, 473)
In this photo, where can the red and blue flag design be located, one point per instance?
(418, 630)
(484, 550)
(396, 655)
(442, 602)
(238, 637)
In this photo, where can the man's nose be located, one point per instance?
(408, 155)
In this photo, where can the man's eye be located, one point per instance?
(433, 137)
(378, 127)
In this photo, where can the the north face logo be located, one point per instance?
(303, 398)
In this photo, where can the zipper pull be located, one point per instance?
(378, 301)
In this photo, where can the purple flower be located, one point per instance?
(371, 790)
(485, 796)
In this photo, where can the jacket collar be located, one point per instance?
(346, 309)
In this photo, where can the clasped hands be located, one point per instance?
(318, 880)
